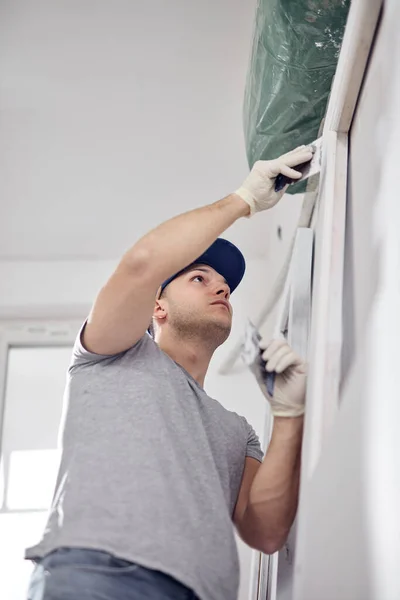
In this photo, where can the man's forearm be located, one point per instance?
(177, 242)
(274, 492)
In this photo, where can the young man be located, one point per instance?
(153, 470)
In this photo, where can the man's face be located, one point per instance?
(197, 303)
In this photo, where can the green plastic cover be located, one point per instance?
(295, 51)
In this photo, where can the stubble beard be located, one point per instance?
(212, 332)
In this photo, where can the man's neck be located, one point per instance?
(192, 354)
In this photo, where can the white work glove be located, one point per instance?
(258, 189)
(288, 399)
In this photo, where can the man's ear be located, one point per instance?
(160, 310)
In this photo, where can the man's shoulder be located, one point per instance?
(82, 357)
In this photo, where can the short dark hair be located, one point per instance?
(150, 329)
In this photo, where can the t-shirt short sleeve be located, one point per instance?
(82, 357)
(253, 449)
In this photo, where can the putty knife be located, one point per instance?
(252, 357)
(307, 169)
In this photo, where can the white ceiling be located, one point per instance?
(115, 116)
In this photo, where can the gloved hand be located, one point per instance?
(288, 399)
(258, 189)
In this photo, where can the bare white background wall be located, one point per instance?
(114, 116)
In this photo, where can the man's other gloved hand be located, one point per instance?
(258, 189)
(288, 399)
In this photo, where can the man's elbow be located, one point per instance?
(270, 545)
(265, 542)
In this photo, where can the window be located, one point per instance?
(33, 394)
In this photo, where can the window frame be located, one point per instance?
(28, 333)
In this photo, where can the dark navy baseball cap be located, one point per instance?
(225, 258)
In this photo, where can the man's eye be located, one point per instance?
(200, 277)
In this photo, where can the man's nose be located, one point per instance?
(223, 290)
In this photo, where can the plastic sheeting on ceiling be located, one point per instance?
(295, 51)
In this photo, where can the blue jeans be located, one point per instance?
(79, 574)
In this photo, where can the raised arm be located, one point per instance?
(123, 308)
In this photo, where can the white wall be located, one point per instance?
(50, 288)
(116, 115)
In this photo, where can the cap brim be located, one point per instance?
(225, 258)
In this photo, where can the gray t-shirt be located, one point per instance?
(150, 470)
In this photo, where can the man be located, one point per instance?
(153, 470)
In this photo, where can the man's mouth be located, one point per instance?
(221, 303)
